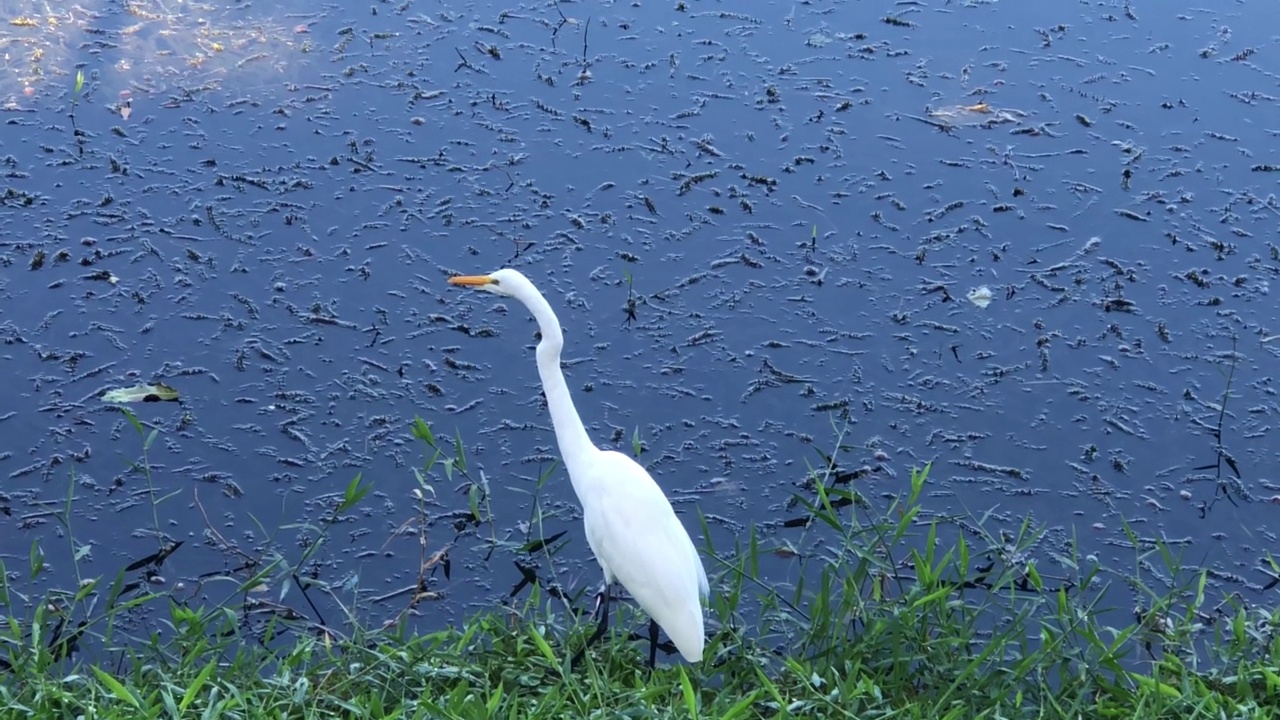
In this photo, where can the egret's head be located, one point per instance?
(503, 282)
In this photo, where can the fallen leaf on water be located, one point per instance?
(158, 392)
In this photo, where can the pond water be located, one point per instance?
(1031, 244)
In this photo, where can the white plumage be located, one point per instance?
(630, 525)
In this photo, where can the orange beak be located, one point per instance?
(471, 280)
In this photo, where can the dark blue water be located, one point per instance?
(280, 213)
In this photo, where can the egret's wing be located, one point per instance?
(638, 539)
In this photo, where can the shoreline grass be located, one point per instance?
(894, 616)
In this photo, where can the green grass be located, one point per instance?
(891, 615)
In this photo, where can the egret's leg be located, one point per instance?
(653, 643)
(600, 600)
(602, 607)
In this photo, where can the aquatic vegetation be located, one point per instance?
(893, 612)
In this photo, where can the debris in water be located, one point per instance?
(158, 392)
(981, 296)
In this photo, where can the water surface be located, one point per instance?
(760, 231)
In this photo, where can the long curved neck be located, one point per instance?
(575, 445)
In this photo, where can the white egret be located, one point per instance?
(630, 525)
